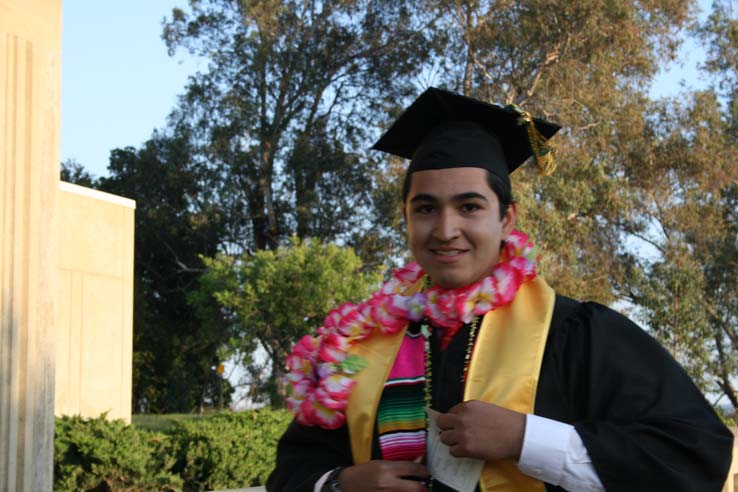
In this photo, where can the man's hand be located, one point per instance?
(399, 476)
(475, 429)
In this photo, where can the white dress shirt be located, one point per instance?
(554, 453)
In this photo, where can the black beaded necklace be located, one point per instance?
(426, 332)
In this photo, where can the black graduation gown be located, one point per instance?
(644, 423)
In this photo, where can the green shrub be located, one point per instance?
(229, 450)
(102, 455)
(164, 423)
(221, 451)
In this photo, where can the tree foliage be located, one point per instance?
(290, 89)
(175, 351)
(585, 65)
(269, 142)
(688, 190)
(274, 297)
(71, 171)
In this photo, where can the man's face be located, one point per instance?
(453, 224)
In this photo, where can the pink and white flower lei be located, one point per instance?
(319, 367)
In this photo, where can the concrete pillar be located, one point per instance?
(30, 57)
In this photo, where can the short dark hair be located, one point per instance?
(504, 194)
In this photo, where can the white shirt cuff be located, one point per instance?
(554, 453)
(319, 484)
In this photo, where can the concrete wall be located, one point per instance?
(731, 484)
(30, 82)
(94, 344)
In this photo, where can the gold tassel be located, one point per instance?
(543, 150)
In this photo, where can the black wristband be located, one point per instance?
(331, 483)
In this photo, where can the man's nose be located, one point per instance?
(447, 226)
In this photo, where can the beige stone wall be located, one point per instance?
(30, 58)
(731, 484)
(94, 345)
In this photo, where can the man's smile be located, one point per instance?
(447, 252)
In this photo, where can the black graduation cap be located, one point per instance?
(442, 129)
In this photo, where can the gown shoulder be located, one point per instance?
(645, 424)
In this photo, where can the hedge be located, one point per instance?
(223, 451)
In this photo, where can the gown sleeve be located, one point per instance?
(304, 454)
(644, 423)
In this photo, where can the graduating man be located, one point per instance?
(536, 390)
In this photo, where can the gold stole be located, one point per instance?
(504, 370)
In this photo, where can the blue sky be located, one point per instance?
(119, 84)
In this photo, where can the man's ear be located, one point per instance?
(509, 220)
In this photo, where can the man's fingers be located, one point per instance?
(458, 408)
(409, 469)
(397, 476)
(449, 437)
(458, 451)
(447, 421)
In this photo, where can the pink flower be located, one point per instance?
(402, 279)
(483, 300)
(300, 388)
(321, 331)
(416, 307)
(334, 317)
(405, 307)
(307, 347)
(299, 365)
(465, 301)
(386, 321)
(410, 273)
(325, 369)
(317, 414)
(516, 240)
(297, 391)
(333, 347)
(353, 323)
(444, 313)
(324, 399)
(516, 244)
(508, 282)
(526, 267)
(396, 305)
(432, 309)
(446, 302)
(366, 310)
(333, 391)
(338, 386)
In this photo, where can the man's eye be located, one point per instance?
(469, 207)
(424, 209)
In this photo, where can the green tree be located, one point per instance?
(688, 190)
(175, 351)
(73, 172)
(587, 65)
(274, 297)
(290, 91)
(688, 285)
(642, 206)
(270, 141)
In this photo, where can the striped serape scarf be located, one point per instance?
(401, 412)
